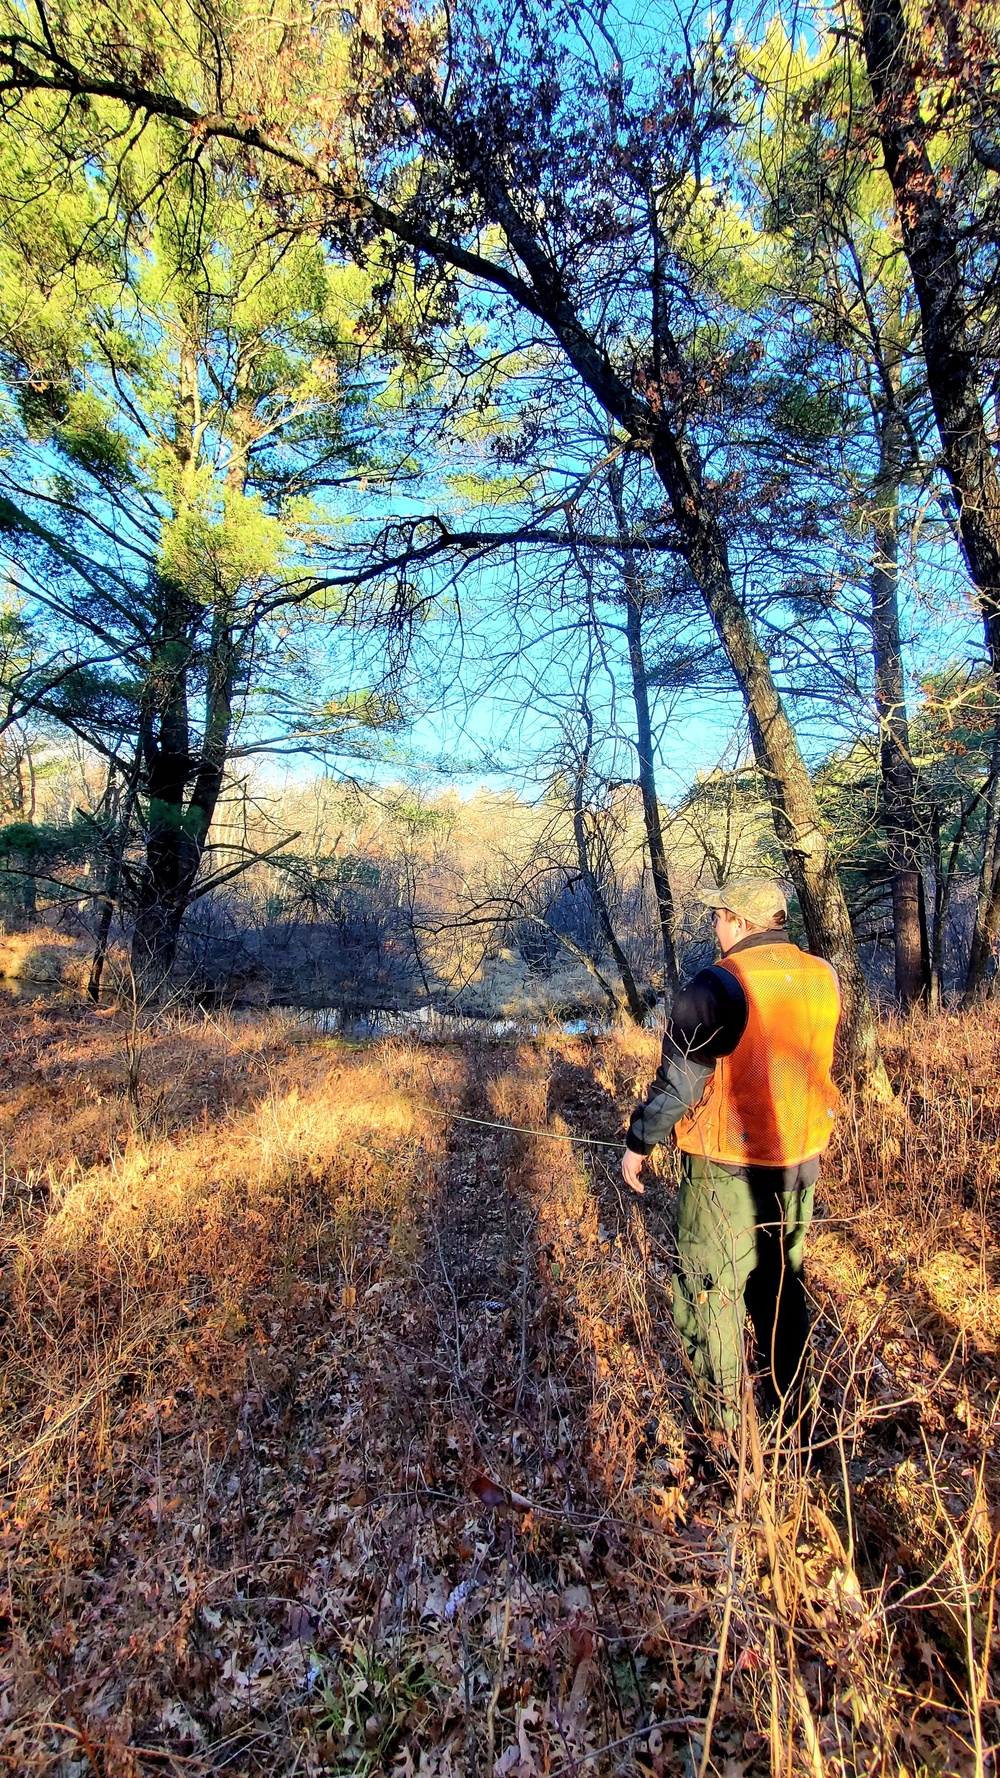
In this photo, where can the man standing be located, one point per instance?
(745, 1085)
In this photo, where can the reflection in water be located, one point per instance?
(422, 1022)
(428, 1023)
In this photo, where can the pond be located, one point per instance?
(431, 1025)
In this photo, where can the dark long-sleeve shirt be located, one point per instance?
(707, 1020)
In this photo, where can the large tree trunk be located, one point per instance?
(160, 898)
(932, 249)
(178, 823)
(898, 777)
(985, 938)
(634, 603)
(797, 818)
(165, 883)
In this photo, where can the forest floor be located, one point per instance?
(344, 1436)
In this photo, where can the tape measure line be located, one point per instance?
(485, 1123)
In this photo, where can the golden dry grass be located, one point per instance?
(44, 956)
(280, 1335)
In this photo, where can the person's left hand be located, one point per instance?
(632, 1165)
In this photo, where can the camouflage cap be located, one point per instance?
(757, 899)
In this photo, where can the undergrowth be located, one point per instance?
(345, 1436)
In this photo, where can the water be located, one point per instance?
(430, 1025)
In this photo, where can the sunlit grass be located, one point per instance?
(240, 1403)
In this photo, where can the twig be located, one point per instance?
(675, 1725)
(491, 1726)
(168, 1758)
(734, 1537)
(68, 1728)
(798, 1690)
(446, 1275)
(523, 1365)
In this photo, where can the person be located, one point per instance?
(745, 1085)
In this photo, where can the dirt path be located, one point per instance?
(515, 1636)
(481, 1593)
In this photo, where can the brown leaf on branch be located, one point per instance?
(494, 1494)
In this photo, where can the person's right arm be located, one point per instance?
(707, 1020)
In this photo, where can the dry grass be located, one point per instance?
(861, 1600)
(347, 1437)
(44, 956)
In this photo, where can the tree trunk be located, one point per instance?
(797, 818)
(169, 867)
(634, 1001)
(634, 602)
(944, 882)
(112, 886)
(940, 911)
(985, 938)
(177, 830)
(898, 777)
(986, 930)
(168, 876)
(933, 253)
(112, 883)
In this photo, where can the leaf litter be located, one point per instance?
(347, 1440)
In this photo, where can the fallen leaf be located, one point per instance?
(489, 1492)
(299, 1621)
(494, 1494)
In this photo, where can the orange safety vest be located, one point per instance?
(772, 1102)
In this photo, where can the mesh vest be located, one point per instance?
(772, 1102)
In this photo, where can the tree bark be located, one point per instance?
(112, 884)
(898, 778)
(634, 1001)
(178, 828)
(985, 936)
(634, 604)
(169, 868)
(945, 873)
(986, 931)
(932, 248)
(794, 805)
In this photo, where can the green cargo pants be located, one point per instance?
(740, 1239)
